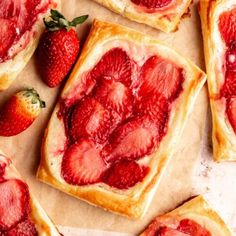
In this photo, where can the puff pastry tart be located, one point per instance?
(20, 212)
(160, 14)
(119, 116)
(193, 218)
(219, 30)
(21, 26)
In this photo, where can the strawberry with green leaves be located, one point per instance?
(19, 112)
(58, 48)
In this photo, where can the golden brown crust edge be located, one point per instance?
(135, 208)
(162, 21)
(43, 223)
(198, 209)
(223, 136)
(11, 68)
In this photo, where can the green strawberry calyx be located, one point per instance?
(57, 21)
(35, 98)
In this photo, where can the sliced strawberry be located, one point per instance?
(190, 227)
(82, 164)
(132, 140)
(227, 26)
(125, 174)
(7, 37)
(25, 228)
(156, 107)
(166, 231)
(229, 87)
(90, 119)
(152, 4)
(114, 95)
(114, 64)
(14, 203)
(2, 170)
(231, 112)
(161, 76)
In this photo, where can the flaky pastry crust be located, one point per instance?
(223, 136)
(134, 201)
(9, 69)
(198, 210)
(43, 224)
(165, 19)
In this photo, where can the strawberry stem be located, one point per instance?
(57, 21)
(31, 92)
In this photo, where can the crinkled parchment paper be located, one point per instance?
(191, 170)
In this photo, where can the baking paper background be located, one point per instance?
(190, 172)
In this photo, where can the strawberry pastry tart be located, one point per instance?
(21, 26)
(20, 212)
(193, 218)
(160, 14)
(118, 119)
(219, 33)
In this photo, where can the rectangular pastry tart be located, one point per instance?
(219, 34)
(195, 218)
(20, 212)
(22, 25)
(118, 119)
(160, 14)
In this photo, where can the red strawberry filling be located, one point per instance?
(82, 163)
(185, 227)
(15, 209)
(152, 4)
(122, 119)
(191, 227)
(124, 174)
(25, 228)
(227, 27)
(16, 18)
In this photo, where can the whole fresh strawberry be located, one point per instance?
(58, 48)
(19, 112)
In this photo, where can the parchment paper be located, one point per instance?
(188, 173)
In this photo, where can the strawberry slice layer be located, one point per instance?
(191, 227)
(152, 4)
(160, 76)
(166, 231)
(25, 228)
(122, 119)
(14, 203)
(227, 26)
(115, 64)
(132, 140)
(82, 164)
(156, 107)
(115, 96)
(125, 174)
(231, 111)
(17, 17)
(90, 119)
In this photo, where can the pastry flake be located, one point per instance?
(195, 217)
(160, 14)
(22, 27)
(218, 28)
(21, 214)
(118, 119)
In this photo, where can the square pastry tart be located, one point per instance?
(20, 212)
(160, 14)
(118, 119)
(219, 33)
(194, 217)
(22, 25)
